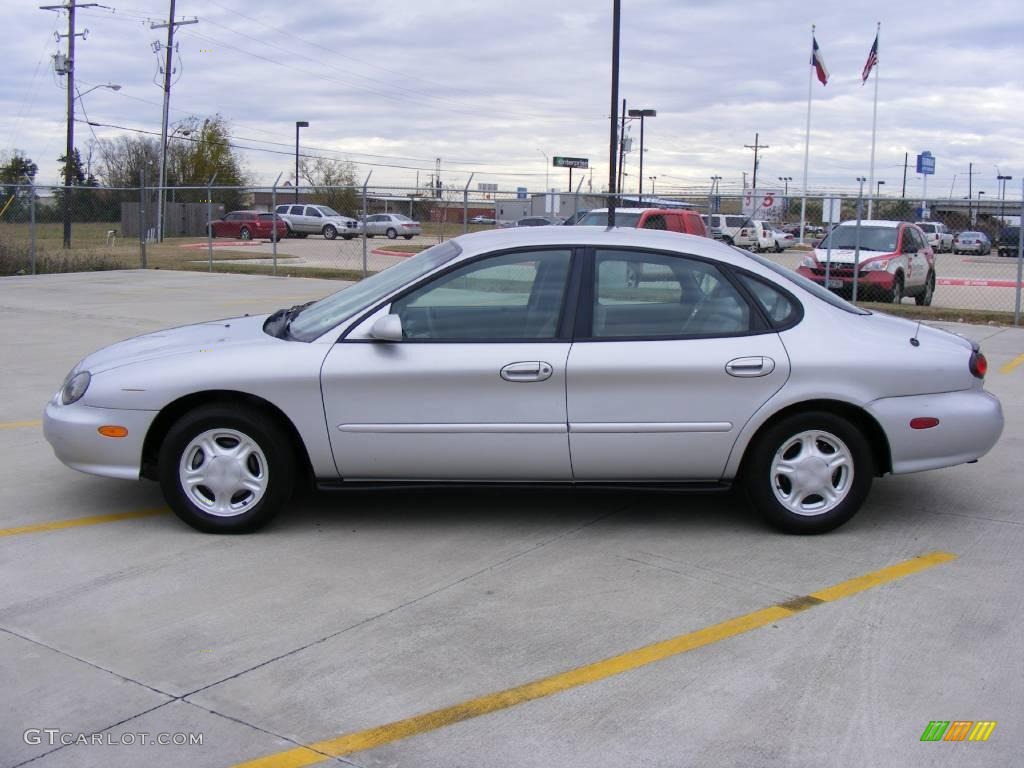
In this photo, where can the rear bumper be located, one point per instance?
(970, 423)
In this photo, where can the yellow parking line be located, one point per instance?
(21, 424)
(589, 673)
(1008, 368)
(78, 522)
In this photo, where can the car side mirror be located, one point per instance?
(387, 328)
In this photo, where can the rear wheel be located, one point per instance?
(226, 469)
(809, 473)
(924, 299)
(245, 234)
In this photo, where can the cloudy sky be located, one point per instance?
(490, 88)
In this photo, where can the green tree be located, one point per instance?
(15, 171)
(331, 182)
(197, 151)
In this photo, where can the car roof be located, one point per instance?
(873, 223)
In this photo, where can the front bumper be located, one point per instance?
(72, 432)
(970, 423)
(840, 279)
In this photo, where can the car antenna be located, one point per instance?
(914, 342)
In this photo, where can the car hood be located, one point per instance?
(185, 339)
(846, 256)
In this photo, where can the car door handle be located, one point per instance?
(528, 371)
(750, 366)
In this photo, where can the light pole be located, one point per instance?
(547, 171)
(298, 124)
(72, 89)
(642, 113)
(652, 179)
(1002, 198)
(856, 247)
(711, 204)
(785, 180)
(980, 193)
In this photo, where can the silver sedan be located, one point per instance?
(532, 356)
(392, 225)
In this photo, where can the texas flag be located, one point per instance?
(870, 63)
(818, 62)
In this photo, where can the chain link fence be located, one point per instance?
(348, 232)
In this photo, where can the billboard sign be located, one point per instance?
(570, 162)
(763, 205)
(926, 163)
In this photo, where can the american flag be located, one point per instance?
(871, 63)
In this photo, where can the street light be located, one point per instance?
(1002, 198)
(652, 179)
(298, 124)
(785, 180)
(642, 113)
(547, 171)
(878, 188)
(71, 150)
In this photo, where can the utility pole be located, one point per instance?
(755, 146)
(70, 71)
(906, 159)
(170, 25)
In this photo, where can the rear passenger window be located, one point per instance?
(653, 295)
(780, 309)
(297, 210)
(655, 222)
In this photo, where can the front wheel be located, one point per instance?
(924, 299)
(330, 232)
(895, 294)
(809, 473)
(226, 469)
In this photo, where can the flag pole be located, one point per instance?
(874, 125)
(807, 141)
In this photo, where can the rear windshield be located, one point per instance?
(970, 234)
(600, 219)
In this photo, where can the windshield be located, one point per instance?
(808, 285)
(600, 219)
(321, 316)
(871, 238)
(929, 228)
(400, 217)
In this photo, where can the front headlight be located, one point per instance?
(809, 261)
(877, 264)
(74, 387)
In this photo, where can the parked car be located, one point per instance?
(781, 240)
(246, 225)
(725, 368)
(306, 220)
(538, 221)
(939, 238)
(894, 261)
(392, 225)
(680, 220)
(972, 242)
(755, 236)
(724, 226)
(482, 220)
(1009, 238)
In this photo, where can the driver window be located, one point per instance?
(640, 294)
(507, 297)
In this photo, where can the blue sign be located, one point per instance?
(520, 193)
(926, 163)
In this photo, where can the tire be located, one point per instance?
(805, 445)
(291, 232)
(347, 237)
(269, 470)
(895, 294)
(407, 237)
(924, 299)
(245, 234)
(392, 233)
(330, 232)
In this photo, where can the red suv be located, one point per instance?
(245, 225)
(672, 219)
(895, 261)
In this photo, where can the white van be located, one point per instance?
(723, 226)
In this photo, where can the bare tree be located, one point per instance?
(332, 183)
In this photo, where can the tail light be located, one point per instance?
(978, 364)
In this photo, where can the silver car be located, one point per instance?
(392, 225)
(305, 220)
(530, 356)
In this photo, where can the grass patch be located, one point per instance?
(404, 248)
(17, 260)
(282, 270)
(947, 314)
